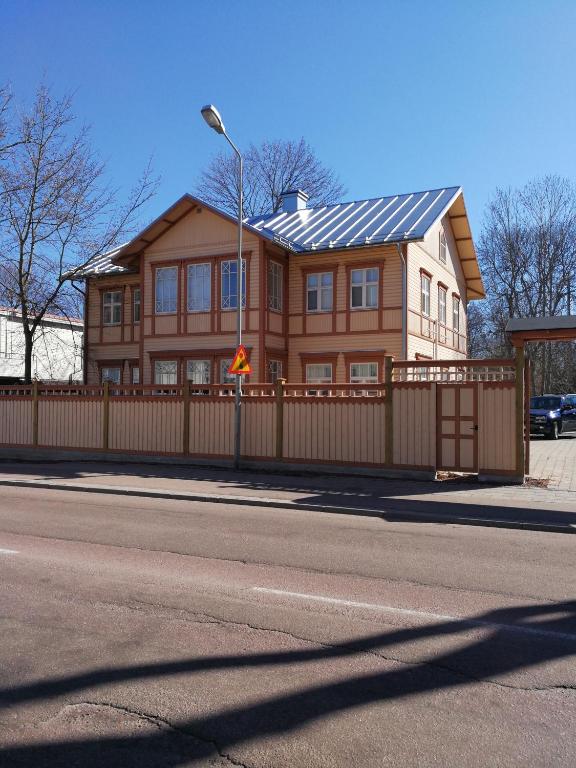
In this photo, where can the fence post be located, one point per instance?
(105, 414)
(389, 414)
(520, 409)
(186, 418)
(35, 414)
(279, 417)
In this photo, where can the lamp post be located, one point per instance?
(212, 117)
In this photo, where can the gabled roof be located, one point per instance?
(362, 223)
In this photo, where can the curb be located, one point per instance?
(391, 515)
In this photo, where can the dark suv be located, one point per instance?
(552, 415)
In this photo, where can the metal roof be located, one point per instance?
(399, 218)
(554, 323)
(102, 264)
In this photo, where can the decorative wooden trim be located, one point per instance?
(425, 272)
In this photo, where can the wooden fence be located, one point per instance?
(425, 416)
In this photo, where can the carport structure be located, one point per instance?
(522, 330)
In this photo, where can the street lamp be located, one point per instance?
(212, 117)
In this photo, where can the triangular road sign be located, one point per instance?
(240, 364)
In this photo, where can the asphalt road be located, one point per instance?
(154, 634)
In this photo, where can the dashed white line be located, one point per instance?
(9, 552)
(422, 614)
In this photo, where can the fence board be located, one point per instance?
(70, 423)
(16, 422)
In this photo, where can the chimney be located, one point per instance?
(293, 200)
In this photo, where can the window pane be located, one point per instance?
(135, 375)
(112, 308)
(198, 371)
(312, 301)
(371, 275)
(326, 279)
(229, 297)
(111, 374)
(319, 374)
(371, 295)
(312, 281)
(136, 298)
(225, 377)
(166, 289)
(165, 372)
(275, 370)
(357, 296)
(275, 285)
(363, 373)
(357, 276)
(326, 299)
(199, 286)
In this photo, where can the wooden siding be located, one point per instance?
(70, 423)
(414, 423)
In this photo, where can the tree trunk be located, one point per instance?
(28, 348)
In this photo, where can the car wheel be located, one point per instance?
(553, 435)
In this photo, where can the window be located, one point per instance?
(441, 305)
(165, 372)
(319, 292)
(443, 247)
(112, 307)
(425, 294)
(456, 313)
(275, 272)
(364, 288)
(225, 377)
(363, 373)
(319, 374)
(111, 374)
(136, 308)
(135, 374)
(198, 371)
(274, 370)
(166, 290)
(229, 299)
(199, 288)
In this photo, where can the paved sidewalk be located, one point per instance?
(446, 502)
(555, 461)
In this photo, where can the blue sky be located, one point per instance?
(394, 96)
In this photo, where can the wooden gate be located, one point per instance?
(457, 427)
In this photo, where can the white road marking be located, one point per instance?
(422, 614)
(9, 552)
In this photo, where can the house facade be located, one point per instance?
(328, 291)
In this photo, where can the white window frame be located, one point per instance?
(364, 284)
(229, 300)
(275, 285)
(203, 302)
(317, 377)
(105, 374)
(365, 373)
(324, 293)
(205, 373)
(456, 313)
(164, 302)
(136, 303)
(425, 283)
(112, 306)
(443, 248)
(166, 374)
(442, 305)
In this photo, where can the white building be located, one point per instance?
(57, 352)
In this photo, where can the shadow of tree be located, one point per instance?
(541, 633)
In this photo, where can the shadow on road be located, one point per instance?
(539, 633)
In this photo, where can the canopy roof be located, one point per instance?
(522, 329)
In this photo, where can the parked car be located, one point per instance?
(552, 415)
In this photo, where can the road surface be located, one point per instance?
(154, 634)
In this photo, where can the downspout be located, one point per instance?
(404, 302)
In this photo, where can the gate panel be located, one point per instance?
(457, 427)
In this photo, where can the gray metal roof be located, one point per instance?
(398, 218)
(541, 323)
(100, 265)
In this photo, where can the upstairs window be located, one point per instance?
(443, 252)
(136, 307)
(275, 275)
(319, 292)
(199, 288)
(166, 290)
(229, 274)
(456, 313)
(425, 294)
(112, 307)
(364, 288)
(441, 305)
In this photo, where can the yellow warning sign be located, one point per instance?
(240, 365)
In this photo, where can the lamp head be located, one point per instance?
(212, 117)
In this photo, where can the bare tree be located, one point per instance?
(269, 169)
(56, 211)
(527, 251)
